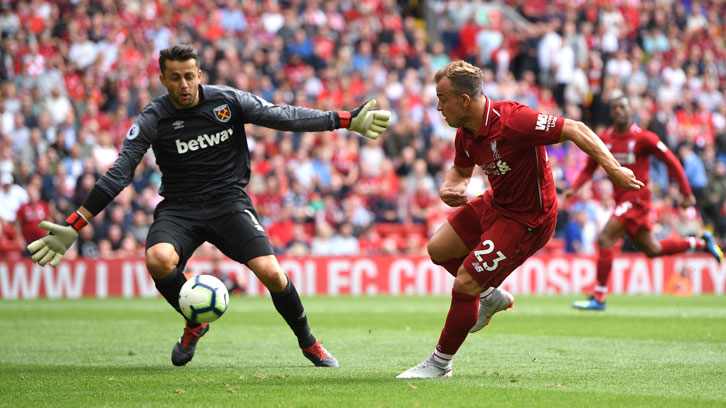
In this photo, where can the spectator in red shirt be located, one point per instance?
(29, 215)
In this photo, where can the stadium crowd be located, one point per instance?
(74, 74)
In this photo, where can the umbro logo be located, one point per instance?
(178, 124)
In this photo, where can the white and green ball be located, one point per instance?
(203, 299)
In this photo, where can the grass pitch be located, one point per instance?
(644, 351)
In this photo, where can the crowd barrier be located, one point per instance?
(365, 275)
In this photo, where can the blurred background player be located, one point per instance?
(632, 147)
(198, 137)
(516, 216)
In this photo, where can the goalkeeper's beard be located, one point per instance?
(181, 102)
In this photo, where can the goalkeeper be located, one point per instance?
(198, 137)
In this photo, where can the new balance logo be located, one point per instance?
(203, 141)
(545, 122)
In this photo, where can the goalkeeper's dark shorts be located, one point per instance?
(228, 221)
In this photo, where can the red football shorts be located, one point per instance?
(498, 245)
(633, 216)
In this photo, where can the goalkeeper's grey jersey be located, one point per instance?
(203, 149)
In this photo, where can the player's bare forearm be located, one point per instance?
(588, 142)
(453, 189)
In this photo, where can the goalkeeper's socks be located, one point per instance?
(463, 314)
(288, 304)
(170, 286)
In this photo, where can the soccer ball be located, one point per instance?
(203, 299)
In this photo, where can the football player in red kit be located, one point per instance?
(488, 237)
(632, 147)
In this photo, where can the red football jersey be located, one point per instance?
(29, 215)
(633, 149)
(510, 149)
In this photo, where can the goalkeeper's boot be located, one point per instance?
(589, 304)
(711, 247)
(319, 355)
(428, 369)
(184, 349)
(492, 301)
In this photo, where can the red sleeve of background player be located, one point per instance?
(664, 154)
(461, 159)
(527, 127)
(585, 174)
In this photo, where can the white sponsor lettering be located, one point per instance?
(718, 275)
(639, 282)
(25, 284)
(134, 275)
(503, 167)
(101, 280)
(545, 122)
(362, 275)
(495, 169)
(657, 272)
(584, 272)
(338, 277)
(65, 283)
(203, 141)
(557, 271)
(406, 277)
(625, 158)
(18, 284)
(358, 277)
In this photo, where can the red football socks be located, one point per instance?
(463, 313)
(604, 266)
(676, 245)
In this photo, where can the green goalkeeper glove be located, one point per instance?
(369, 123)
(53, 246)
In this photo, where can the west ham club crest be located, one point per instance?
(222, 113)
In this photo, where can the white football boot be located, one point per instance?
(427, 369)
(491, 301)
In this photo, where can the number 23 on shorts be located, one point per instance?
(486, 250)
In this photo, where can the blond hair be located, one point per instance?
(465, 78)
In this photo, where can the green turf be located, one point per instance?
(644, 351)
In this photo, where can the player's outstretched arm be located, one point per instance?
(367, 122)
(52, 247)
(589, 143)
(453, 189)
